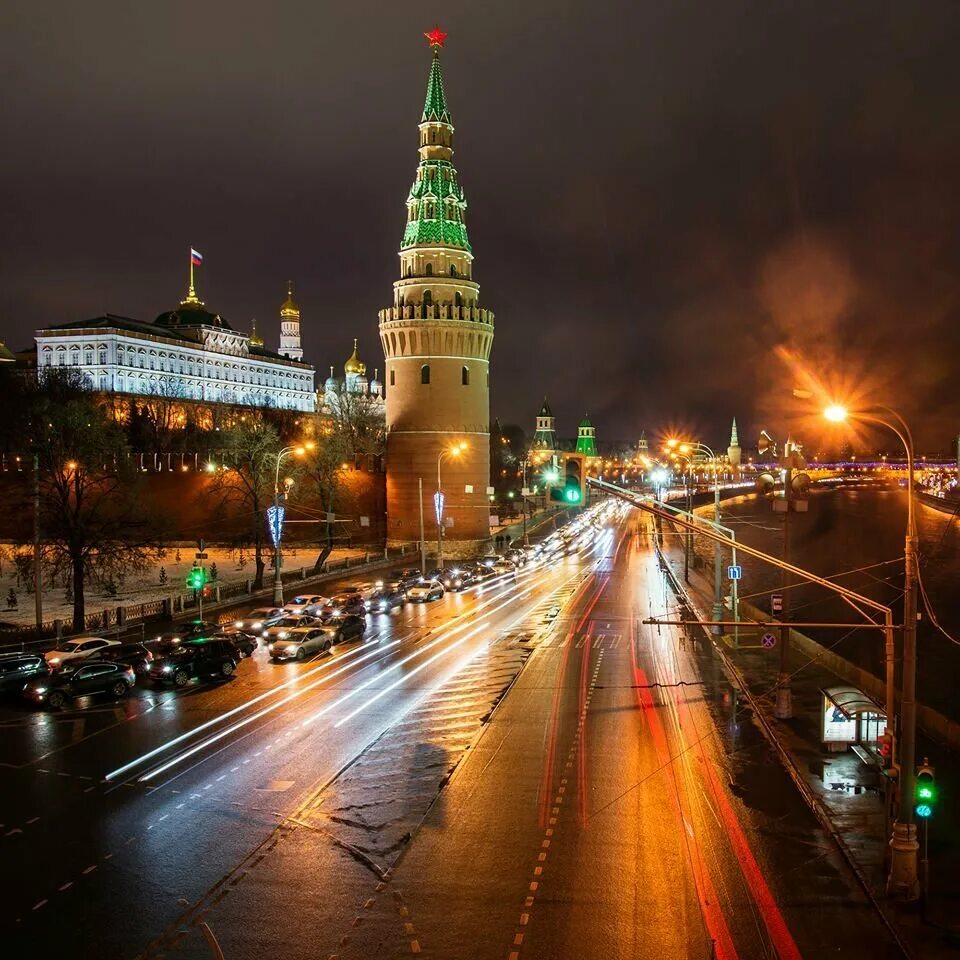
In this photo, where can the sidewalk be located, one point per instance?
(846, 793)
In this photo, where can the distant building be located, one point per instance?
(353, 383)
(587, 438)
(190, 353)
(545, 436)
(733, 451)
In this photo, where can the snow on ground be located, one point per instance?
(232, 565)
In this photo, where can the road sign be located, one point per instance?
(735, 572)
(768, 641)
(776, 603)
(200, 556)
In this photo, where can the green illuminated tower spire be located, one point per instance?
(436, 206)
(587, 437)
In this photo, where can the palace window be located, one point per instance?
(465, 376)
(425, 373)
(393, 378)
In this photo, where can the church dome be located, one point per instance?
(355, 365)
(330, 384)
(256, 341)
(289, 306)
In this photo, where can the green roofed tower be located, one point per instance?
(437, 341)
(587, 438)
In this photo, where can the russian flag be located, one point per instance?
(196, 258)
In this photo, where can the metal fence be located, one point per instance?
(116, 619)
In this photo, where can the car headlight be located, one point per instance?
(39, 689)
(167, 668)
(238, 623)
(270, 647)
(282, 635)
(54, 659)
(256, 626)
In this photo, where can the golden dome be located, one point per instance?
(289, 306)
(355, 365)
(255, 339)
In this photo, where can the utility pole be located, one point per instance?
(423, 546)
(37, 578)
(523, 502)
(784, 705)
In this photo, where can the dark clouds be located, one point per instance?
(660, 193)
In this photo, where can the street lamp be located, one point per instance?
(275, 524)
(903, 843)
(453, 451)
(717, 555)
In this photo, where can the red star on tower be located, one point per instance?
(436, 37)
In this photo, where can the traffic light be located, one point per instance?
(570, 491)
(925, 791)
(197, 578)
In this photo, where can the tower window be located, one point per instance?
(465, 376)
(458, 300)
(428, 297)
(425, 373)
(393, 378)
(453, 269)
(429, 269)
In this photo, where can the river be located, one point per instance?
(860, 528)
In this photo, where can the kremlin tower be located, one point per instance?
(290, 327)
(437, 341)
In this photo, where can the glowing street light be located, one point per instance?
(835, 413)
(454, 450)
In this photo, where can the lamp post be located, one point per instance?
(453, 451)
(523, 500)
(902, 879)
(276, 523)
(717, 553)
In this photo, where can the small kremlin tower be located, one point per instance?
(545, 437)
(733, 451)
(587, 437)
(290, 327)
(437, 340)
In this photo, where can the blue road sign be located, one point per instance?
(734, 572)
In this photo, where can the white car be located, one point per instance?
(425, 590)
(257, 620)
(306, 603)
(78, 648)
(280, 629)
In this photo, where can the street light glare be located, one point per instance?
(835, 413)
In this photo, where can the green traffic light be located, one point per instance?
(925, 793)
(573, 496)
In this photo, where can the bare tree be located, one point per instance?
(351, 425)
(92, 520)
(250, 447)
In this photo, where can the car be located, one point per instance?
(17, 669)
(306, 603)
(136, 655)
(190, 630)
(194, 659)
(425, 591)
(457, 578)
(388, 596)
(407, 577)
(77, 648)
(255, 621)
(246, 645)
(483, 572)
(343, 603)
(61, 688)
(345, 627)
(299, 642)
(281, 627)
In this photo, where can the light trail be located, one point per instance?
(414, 671)
(261, 713)
(139, 761)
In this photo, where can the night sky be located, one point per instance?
(661, 194)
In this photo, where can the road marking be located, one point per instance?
(66, 886)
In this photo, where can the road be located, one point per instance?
(617, 803)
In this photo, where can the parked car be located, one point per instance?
(194, 659)
(255, 621)
(77, 648)
(425, 591)
(16, 669)
(279, 629)
(136, 655)
(457, 578)
(388, 596)
(61, 688)
(343, 603)
(190, 630)
(306, 603)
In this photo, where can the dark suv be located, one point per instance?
(194, 658)
(135, 655)
(16, 669)
(60, 688)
